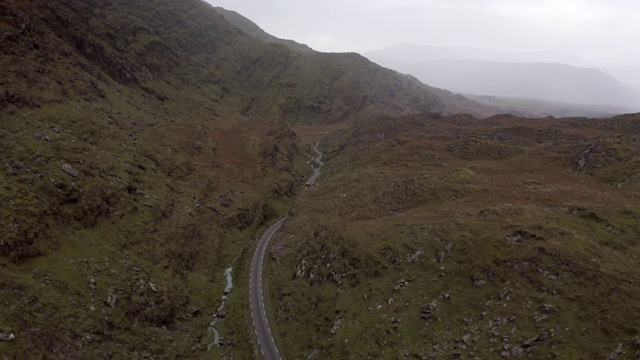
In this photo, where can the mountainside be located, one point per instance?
(431, 237)
(129, 184)
(144, 142)
(187, 52)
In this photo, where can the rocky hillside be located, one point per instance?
(432, 237)
(144, 143)
(187, 53)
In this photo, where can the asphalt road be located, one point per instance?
(266, 342)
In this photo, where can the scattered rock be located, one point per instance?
(519, 235)
(314, 355)
(111, 299)
(465, 339)
(530, 342)
(440, 256)
(516, 352)
(92, 284)
(448, 248)
(426, 315)
(584, 159)
(7, 336)
(426, 311)
(478, 282)
(401, 283)
(414, 257)
(336, 326)
(616, 352)
(547, 308)
(70, 170)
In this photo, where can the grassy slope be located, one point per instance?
(170, 185)
(159, 107)
(538, 220)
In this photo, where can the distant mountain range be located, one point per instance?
(411, 53)
(537, 75)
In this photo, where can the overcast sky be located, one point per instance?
(598, 31)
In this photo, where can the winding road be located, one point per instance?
(316, 171)
(266, 342)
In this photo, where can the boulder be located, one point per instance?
(70, 170)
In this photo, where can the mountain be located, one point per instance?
(411, 53)
(536, 75)
(431, 237)
(545, 81)
(144, 143)
(628, 75)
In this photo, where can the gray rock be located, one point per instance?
(516, 352)
(478, 283)
(616, 352)
(414, 257)
(111, 299)
(465, 338)
(529, 342)
(426, 315)
(314, 355)
(547, 308)
(440, 256)
(7, 336)
(448, 248)
(336, 326)
(70, 170)
(92, 284)
(506, 354)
